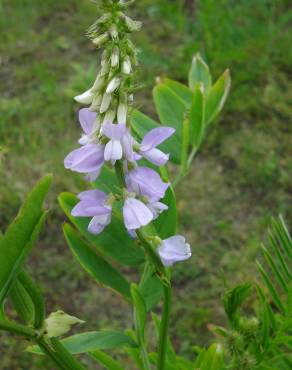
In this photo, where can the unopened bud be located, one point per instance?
(114, 32)
(105, 103)
(59, 323)
(98, 41)
(85, 98)
(115, 57)
(131, 24)
(113, 85)
(109, 116)
(98, 83)
(126, 67)
(122, 113)
(95, 103)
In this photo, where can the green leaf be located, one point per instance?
(103, 359)
(271, 288)
(151, 290)
(141, 124)
(197, 117)
(97, 267)
(179, 89)
(217, 96)
(21, 235)
(234, 298)
(199, 73)
(171, 110)
(213, 358)
(113, 242)
(22, 302)
(91, 341)
(107, 180)
(166, 223)
(140, 312)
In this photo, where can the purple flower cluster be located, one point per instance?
(107, 143)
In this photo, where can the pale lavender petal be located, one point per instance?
(87, 208)
(98, 223)
(155, 137)
(86, 119)
(136, 214)
(127, 144)
(174, 249)
(113, 151)
(156, 156)
(88, 158)
(92, 176)
(93, 195)
(146, 182)
(156, 208)
(114, 131)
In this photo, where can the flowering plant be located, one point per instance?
(128, 215)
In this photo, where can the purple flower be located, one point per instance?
(89, 125)
(87, 159)
(93, 204)
(174, 249)
(146, 182)
(136, 214)
(153, 138)
(114, 149)
(156, 208)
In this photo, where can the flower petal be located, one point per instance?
(155, 137)
(113, 151)
(114, 131)
(86, 119)
(93, 195)
(156, 156)
(85, 98)
(174, 249)
(136, 214)
(88, 158)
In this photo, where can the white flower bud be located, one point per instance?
(126, 67)
(114, 32)
(131, 98)
(115, 57)
(109, 117)
(122, 113)
(105, 103)
(95, 103)
(98, 41)
(113, 85)
(131, 24)
(85, 98)
(59, 323)
(98, 83)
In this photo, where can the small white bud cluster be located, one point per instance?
(112, 91)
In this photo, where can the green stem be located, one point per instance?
(19, 329)
(66, 356)
(163, 331)
(144, 356)
(43, 344)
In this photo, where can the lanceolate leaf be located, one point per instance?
(113, 242)
(95, 265)
(171, 110)
(213, 358)
(217, 96)
(21, 236)
(91, 341)
(105, 360)
(179, 89)
(197, 117)
(140, 312)
(22, 302)
(199, 73)
(166, 223)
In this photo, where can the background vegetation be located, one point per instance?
(239, 179)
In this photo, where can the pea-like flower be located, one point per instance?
(89, 124)
(136, 214)
(149, 143)
(119, 143)
(147, 183)
(174, 249)
(95, 204)
(87, 159)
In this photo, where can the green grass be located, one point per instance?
(239, 179)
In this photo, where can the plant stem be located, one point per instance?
(17, 329)
(42, 343)
(163, 331)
